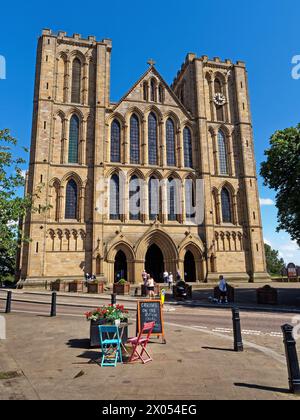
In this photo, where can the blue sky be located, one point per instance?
(263, 33)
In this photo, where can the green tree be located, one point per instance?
(13, 206)
(281, 172)
(274, 263)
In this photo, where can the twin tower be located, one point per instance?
(163, 180)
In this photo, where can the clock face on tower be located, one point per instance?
(219, 99)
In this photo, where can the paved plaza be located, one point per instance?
(51, 359)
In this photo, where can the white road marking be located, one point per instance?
(200, 327)
(244, 332)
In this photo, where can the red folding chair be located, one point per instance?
(139, 344)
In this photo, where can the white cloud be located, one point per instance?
(289, 251)
(266, 202)
(267, 242)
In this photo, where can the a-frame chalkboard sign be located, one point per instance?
(148, 311)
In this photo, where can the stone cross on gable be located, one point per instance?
(151, 62)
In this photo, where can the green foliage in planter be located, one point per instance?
(122, 282)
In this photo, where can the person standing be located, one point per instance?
(144, 277)
(145, 280)
(150, 287)
(166, 276)
(223, 290)
(87, 278)
(170, 280)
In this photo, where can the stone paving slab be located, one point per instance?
(56, 363)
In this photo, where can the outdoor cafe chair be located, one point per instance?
(139, 344)
(110, 345)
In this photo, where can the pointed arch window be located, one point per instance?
(161, 94)
(134, 140)
(71, 210)
(170, 141)
(218, 86)
(134, 198)
(188, 148)
(219, 108)
(223, 161)
(152, 139)
(153, 90)
(115, 142)
(73, 139)
(154, 198)
(226, 206)
(172, 199)
(145, 91)
(114, 204)
(76, 81)
(190, 202)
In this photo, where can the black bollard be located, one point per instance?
(53, 304)
(237, 331)
(8, 303)
(113, 299)
(291, 358)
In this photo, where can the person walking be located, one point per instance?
(165, 276)
(223, 290)
(170, 280)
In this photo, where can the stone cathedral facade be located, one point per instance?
(121, 177)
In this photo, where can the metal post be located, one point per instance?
(237, 331)
(291, 358)
(113, 299)
(8, 302)
(53, 304)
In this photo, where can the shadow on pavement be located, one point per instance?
(218, 349)
(93, 357)
(76, 343)
(263, 388)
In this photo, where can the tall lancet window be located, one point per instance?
(114, 204)
(172, 199)
(152, 139)
(170, 141)
(223, 161)
(219, 108)
(76, 81)
(134, 198)
(115, 142)
(134, 140)
(188, 148)
(73, 139)
(226, 206)
(190, 200)
(71, 210)
(153, 90)
(154, 198)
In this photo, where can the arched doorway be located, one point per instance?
(120, 266)
(189, 267)
(154, 263)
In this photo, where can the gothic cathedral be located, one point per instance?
(165, 179)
